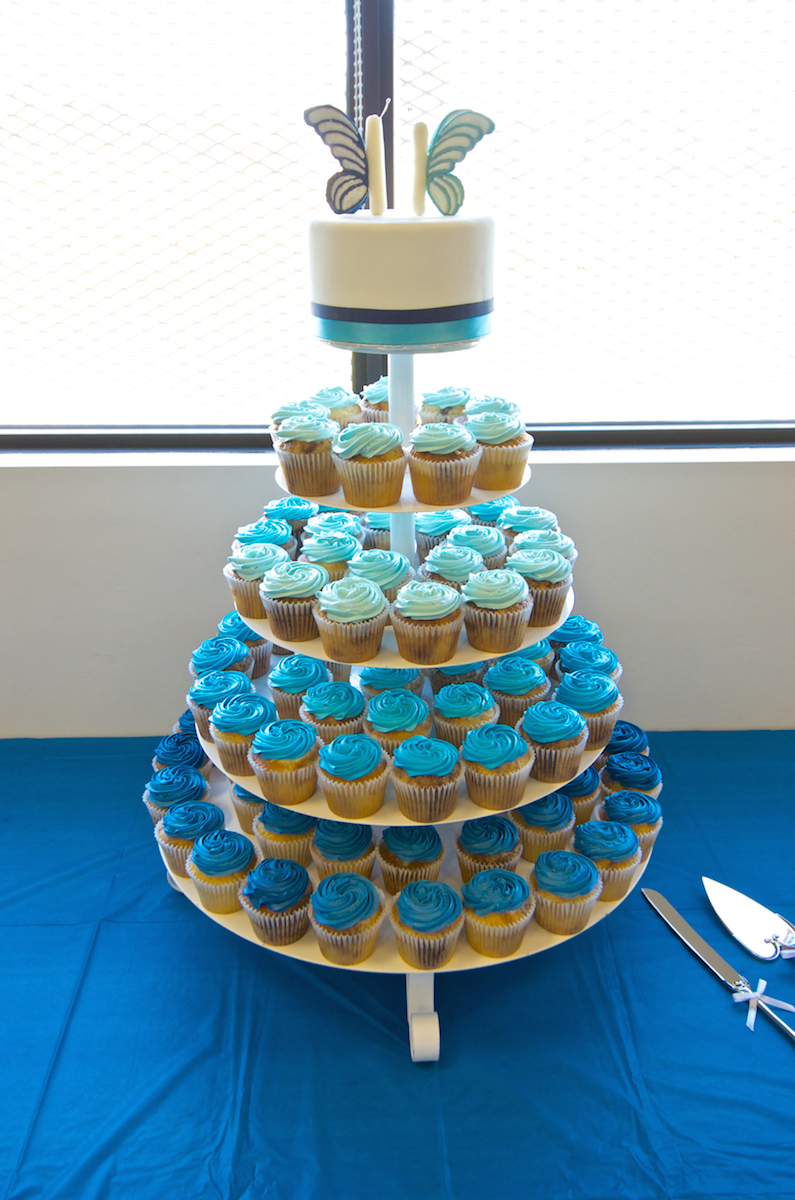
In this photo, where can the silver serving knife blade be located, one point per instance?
(761, 931)
(725, 973)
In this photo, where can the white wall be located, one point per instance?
(110, 574)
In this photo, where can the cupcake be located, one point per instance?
(490, 404)
(459, 673)
(288, 592)
(540, 652)
(346, 914)
(332, 551)
(295, 510)
(409, 852)
(451, 565)
(585, 656)
(393, 716)
(284, 833)
(290, 680)
(377, 531)
(486, 540)
(283, 756)
(375, 401)
(631, 772)
(374, 680)
(180, 826)
(516, 683)
(244, 572)
(266, 532)
(332, 709)
(181, 750)
(546, 824)
(615, 851)
(334, 520)
(427, 619)
(221, 654)
(185, 723)
(427, 775)
(549, 578)
(497, 765)
(505, 444)
(445, 404)
(559, 735)
(351, 616)
(340, 672)
(353, 771)
(427, 918)
(545, 539)
(247, 806)
(487, 842)
(490, 511)
(625, 736)
(275, 898)
(297, 408)
(431, 528)
(596, 698)
(498, 907)
(371, 463)
(303, 448)
(522, 517)
(443, 460)
(584, 792)
(233, 625)
(341, 846)
(462, 707)
(343, 406)
(576, 629)
(387, 568)
(233, 724)
(210, 690)
(566, 888)
(218, 865)
(497, 608)
(641, 813)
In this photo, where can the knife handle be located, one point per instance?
(776, 1019)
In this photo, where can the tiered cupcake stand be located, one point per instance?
(424, 1036)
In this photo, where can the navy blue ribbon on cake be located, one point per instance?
(394, 326)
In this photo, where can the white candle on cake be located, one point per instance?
(420, 168)
(376, 164)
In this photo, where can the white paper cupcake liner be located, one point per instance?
(277, 929)
(497, 791)
(426, 543)
(427, 642)
(233, 755)
(396, 877)
(372, 483)
(452, 732)
(288, 788)
(584, 806)
(173, 856)
(291, 619)
(502, 467)
(327, 732)
(262, 659)
(549, 602)
(442, 481)
(377, 539)
(427, 804)
(555, 763)
(498, 631)
(471, 864)
(332, 866)
(513, 708)
(425, 951)
(309, 474)
(353, 641)
(221, 895)
(499, 941)
(354, 799)
(345, 949)
(288, 704)
(601, 725)
(246, 811)
(292, 846)
(537, 840)
(340, 672)
(375, 416)
(245, 593)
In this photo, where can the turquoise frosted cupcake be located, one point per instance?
(298, 408)
(374, 680)
(498, 907)
(497, 765)
(547, 824)
(343, 406)
(170, 786)
(641, 813)
(181, 750)
(346, 914)
(451, 565)
(351, 616)
(377, 531)
(211, 689)
(540, 652)
(516, 683)
(375, 401)
(284, 756)
(409, 852)
(331, 551)
(353, 771)
(233, 625)
(332, 709)
(180, 826)
(545, 539)
(486, 540)
(487, 842)
(303, 448)
(462, 673)
(427, 776)
(586, 656)
(459, 708)
(275, 898)
(576, 629)
(288, 591)
(522, 517)
(431, 528)
(233, 725)
(614, 849)
(427, 918)
(244, 572)
(549, 578)
(490, 404)
(218, 865)
(341, 846)
(566, 887)
(295, 510)
(290, 680)
(247, 806)
(371, 463)
(505, 444)
(443, 461)
(596, 698)
(445, 404)
(490, 512)
(394, 716)
(266, 532)
(387, 568)
(631, 772)
(497, 609)
(559, 735)
(284, 833)
(220, 653)
(427, 619)
(584, 792)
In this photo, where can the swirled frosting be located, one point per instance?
(276, 884)
(252, 562)
(378, 392)
(437, 524)
(488, 835)
(377, 520)
(492, 510)
(440, 438)
(233, 625)
(307, 429)
(187, 723)
(297, 672)
(584, 784)
(398, 709)
(606, 839)
(290, 508)
(550, 721)
(463, 700)
(351, 756)
(427, 906)
(587, 691)
(298, 580)
(387, 568)
(337, 700)
(334, 397)
(210, 689)
(384, 679)
(446, 397)
(334, 520)
(285, 739)
(493, 746)
(218, 653)
(578, 629)
(484, 538)
(413, 843)
(244, 794)
(635, 772)
(351, 599)
(221, 852)
(180, 750)
(190, 819)
(514, 675)
(424, 601)
(632, 808)
(495, 891)
(537, 651)
(300, 408)
(459, 669)
(528, 516)
(425, 756)
(342, 841)
(627, 736)
(330, 547)
(492, 429)
(565, 874)
(495, 589)
(369, 440)
(544, 565)
(553, 811)
(244, 714)
(344, 899)
(544, 539)
(455, 563)
(265, 531)
(490, 404)
(585, 656)
(285, 820)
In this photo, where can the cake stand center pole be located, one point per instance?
(401, 413)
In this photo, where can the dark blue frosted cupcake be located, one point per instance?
(173, 785)
(498, 907)
(218, 865)
(275, 898)
(631, 772)
(427, 776)
(342, 846)
(179, 827)
(487, 842)
(284, 833)
(615, 850)
(409, 852)
(346, 914)
(547, 824)
(181, 750)
(640, 812)
(584, 792)
(427, 918)
(566, 887)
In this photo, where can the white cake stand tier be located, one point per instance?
(407, 502)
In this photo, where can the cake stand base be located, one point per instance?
(424, 1033)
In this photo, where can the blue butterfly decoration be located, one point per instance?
(455, 136)
(347, 190)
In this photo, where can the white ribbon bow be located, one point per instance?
(786, 945)
(753, 998)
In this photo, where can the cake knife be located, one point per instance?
(739, 985)
(764, 933)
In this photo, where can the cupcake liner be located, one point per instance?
(391, 593)
(397, 876)
(245, 593)
(201, 716)
(332, 866)
(291, 618)
(415, 686)
(499, 940)
(496, 630)
(564, 917)
(427, 642)
(495, 562)
(278, 929)
(340, 672)
(426, 576)
(262, 658)
(246, 811)
(471, 864)
(556, 763)
(354, 799)
(293, 846)
(174, 856)
(373, 482)
(475, 675)
(155, 813)
(427, 803)
(375, 416)
(426, 951)
(377, 539)
(617, 877)
(288, 788)
(345, 949)
(233, 755)
(513, 708)
(548, 602)
(335, 570)
(495, 790)
(453, 732)
(502, 467)
(426, 543)
(390, 741)
(536, 840)
(584, 806)
(443, 481)
(601, 725)
(311, 474)
(326, 732)
(288, 704)
(219, 895)
(647, 834)
(351, 641)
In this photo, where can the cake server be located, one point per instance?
(742, 992)
(764, 933)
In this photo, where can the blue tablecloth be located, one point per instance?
(147, 1052)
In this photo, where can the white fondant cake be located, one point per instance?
(401, 283)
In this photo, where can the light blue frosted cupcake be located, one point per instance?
(351, 616)
(459, 708)
(333, 709)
